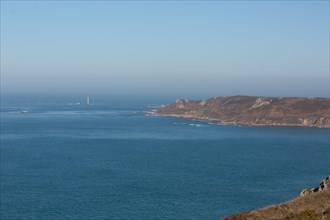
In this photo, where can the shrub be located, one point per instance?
(309, 215)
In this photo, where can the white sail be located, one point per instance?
(87, 101)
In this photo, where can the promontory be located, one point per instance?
(253, 110)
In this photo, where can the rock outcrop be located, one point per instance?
(312, 204)
(324, 185)
(254, 111)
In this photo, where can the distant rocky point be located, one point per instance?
(155, 106)
(312, 204)
(253, 111)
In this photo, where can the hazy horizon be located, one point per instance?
(210, 48)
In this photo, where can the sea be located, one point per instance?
(64, 159)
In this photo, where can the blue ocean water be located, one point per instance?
(110, 160)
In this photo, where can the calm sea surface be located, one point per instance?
(111, 161)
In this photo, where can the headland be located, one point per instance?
(253, 110)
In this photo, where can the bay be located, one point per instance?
(110, 160)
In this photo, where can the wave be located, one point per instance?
(197, 125)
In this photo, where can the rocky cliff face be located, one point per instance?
(256, 111)
(312, 204)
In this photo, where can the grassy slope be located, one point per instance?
(315, 206)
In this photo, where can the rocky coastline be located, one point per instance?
(311, 204)
(253, 111)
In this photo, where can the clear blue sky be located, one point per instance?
(276, 48)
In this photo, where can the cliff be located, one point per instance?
(253, 111)
(312, 204)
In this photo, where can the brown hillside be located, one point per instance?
(255, 111)
(312, 204)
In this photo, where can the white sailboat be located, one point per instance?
(87, 101)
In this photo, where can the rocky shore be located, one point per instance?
(312, 204)
(253, 111)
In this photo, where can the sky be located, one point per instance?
(211, 48)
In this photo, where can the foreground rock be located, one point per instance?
(254, 111)
(314, 205)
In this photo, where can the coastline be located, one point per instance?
(221, 122)
(252, 111)
(312, 204)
